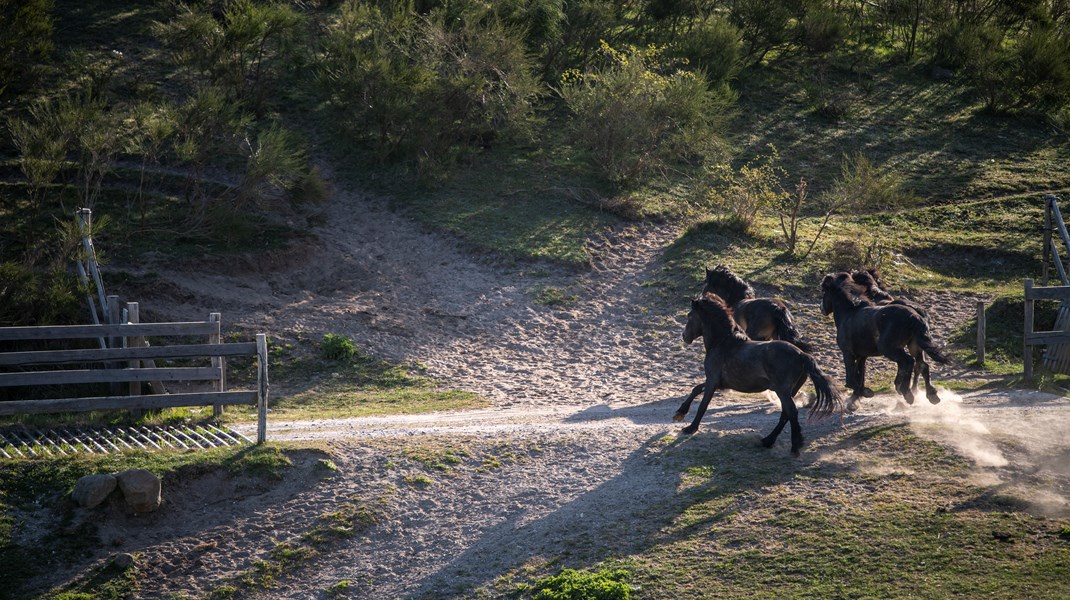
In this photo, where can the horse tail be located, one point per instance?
(925, 341)
(828, 399)
(785, 329)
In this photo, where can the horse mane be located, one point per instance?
(717, 315)
(723, 282)
(843, 288)
(870, 280)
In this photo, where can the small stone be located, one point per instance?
(141, 489)
(123, 560)
(91, 490)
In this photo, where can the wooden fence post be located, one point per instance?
(1027, 349)
(217, 361)
(133, 315)
(981, 333)
(261, 387)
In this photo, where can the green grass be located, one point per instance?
(360, 385)
(47, 482)
(881, 513)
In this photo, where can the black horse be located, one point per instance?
(873, 288)
(734, 362)
(865, 329)
(870, 281)
(761, 318)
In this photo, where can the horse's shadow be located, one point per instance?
(655, 412)
(634, 509)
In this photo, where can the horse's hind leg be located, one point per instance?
(922, 367)
(686, 406)
(903, 373)
(788, 414)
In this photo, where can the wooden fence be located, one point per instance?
(1059, 338)
(129, 360)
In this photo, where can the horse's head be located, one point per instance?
(838, 289)
(870, 281)
(723, 282)
(709, 314)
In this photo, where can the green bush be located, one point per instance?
(243, 52)
(746, 192)
(635, 115)
(25, 38)
(714, 47)
(570, 584)
(426, 89)
(337, 347)
(822, 29)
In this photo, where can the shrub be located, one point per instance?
(862, 186)
(633, 119)
(1043, 73)
(570, 584)
(822, 29)
(337, 347)
(424, 89)
(242, 52)
(25, 38)
(747, 192)
(714, 47)
(274, 162)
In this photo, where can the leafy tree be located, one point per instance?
(635, 115)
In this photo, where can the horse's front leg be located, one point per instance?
(686, 406)
(861, 370)
(711, 386)
(854, 383)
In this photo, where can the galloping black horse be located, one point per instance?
(873, 288)
(734, 362)
(761, 318)
(864, 329)
(870, 281)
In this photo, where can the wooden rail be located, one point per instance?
(131, 361)
(1032, 338)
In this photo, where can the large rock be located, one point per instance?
(141, 489)
(91, 490)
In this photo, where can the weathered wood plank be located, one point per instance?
(21, 407)
(45, 357)
(108, 376)
(64, 332)
(1058, 292)
(1047, 337)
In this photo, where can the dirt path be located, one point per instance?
(581, 399)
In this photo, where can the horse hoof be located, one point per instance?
(933, 398)
(795, 452)
(678, 417)
(867, 393)
(689, 429)
(768, 443)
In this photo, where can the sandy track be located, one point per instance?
(582, 394)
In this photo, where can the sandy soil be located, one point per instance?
(581, 398)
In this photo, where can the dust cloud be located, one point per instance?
(1024, 452)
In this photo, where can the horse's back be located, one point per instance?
(760, 366)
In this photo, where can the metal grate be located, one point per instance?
(23, 441)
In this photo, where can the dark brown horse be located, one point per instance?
(865, 329)
(761, 318)
(873, 288)
(734, 362)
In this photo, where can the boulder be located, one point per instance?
(91, 490)
(141, 489)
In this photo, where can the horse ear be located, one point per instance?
(694, 303)
(708, 271)
(826, 282)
